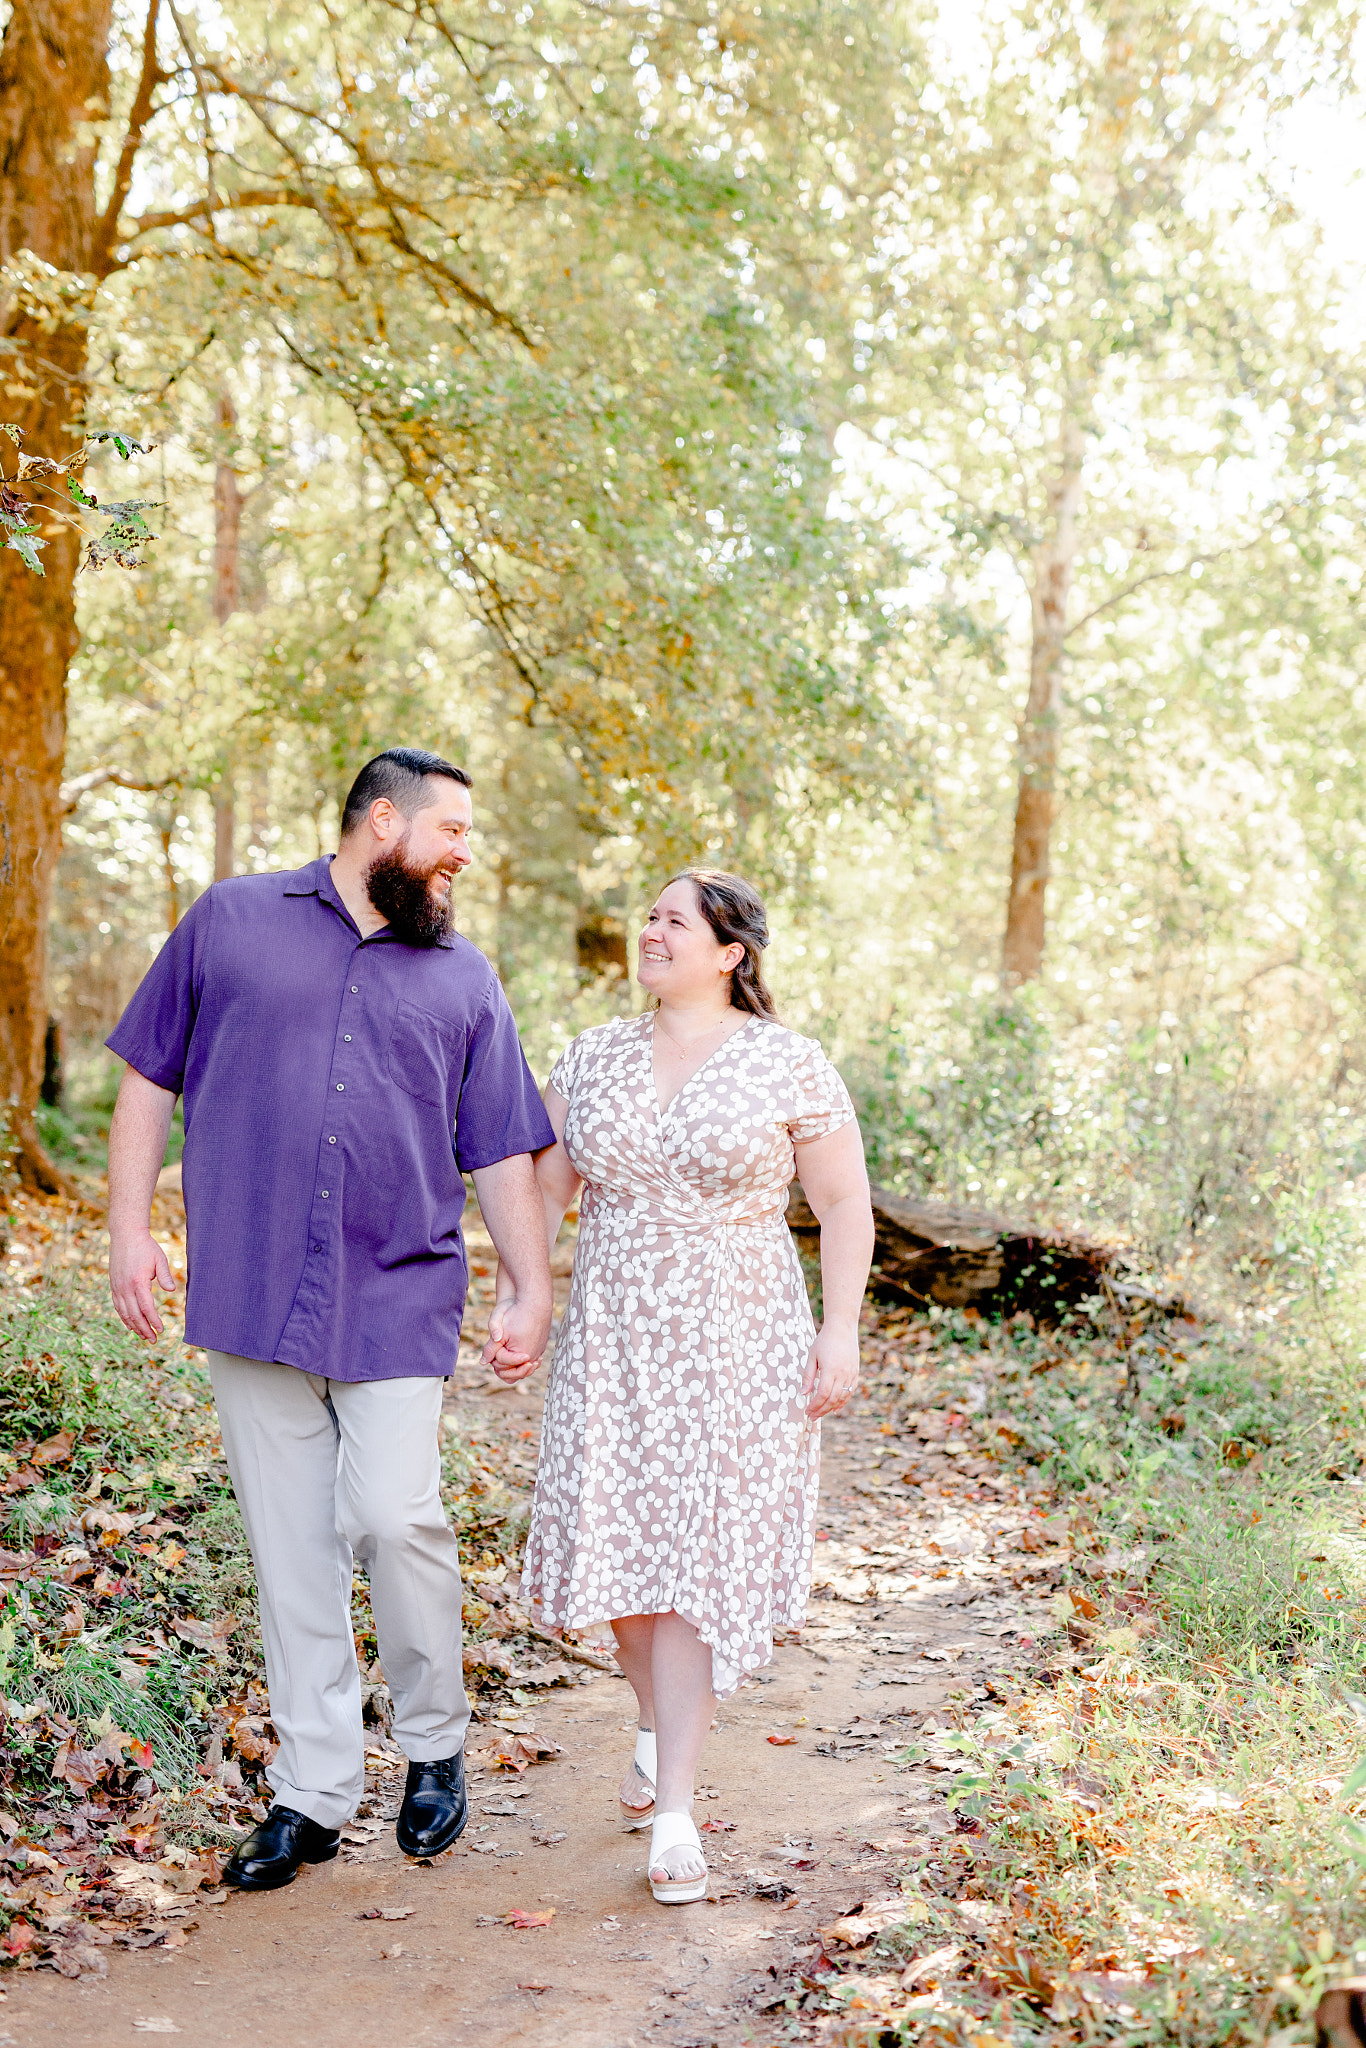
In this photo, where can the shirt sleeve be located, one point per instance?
(153, 1034)
(501, 1112)
(822, 1103)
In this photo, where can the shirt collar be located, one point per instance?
(316, 880)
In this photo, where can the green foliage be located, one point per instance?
(67, 1363)
(1177, 1136)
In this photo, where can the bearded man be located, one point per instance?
(344, 1057)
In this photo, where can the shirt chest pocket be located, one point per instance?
(426, 1056)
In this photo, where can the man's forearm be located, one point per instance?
(137, 1146)
(515, 1218)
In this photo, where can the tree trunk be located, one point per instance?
(227, 596)
(1036, 805)
(54, 80)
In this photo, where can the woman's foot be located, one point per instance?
(636, 1793)
(678, 1869)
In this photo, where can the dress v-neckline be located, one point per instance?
(662, 1109)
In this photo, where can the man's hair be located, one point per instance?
(399, 773)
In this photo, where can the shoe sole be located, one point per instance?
(684, 1893)
(276, 1884)
(439, 1848)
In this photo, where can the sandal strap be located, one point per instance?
(673, 1831)
(647, 1754)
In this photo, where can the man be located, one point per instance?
(344, 1055)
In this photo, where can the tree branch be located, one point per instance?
(277, 195)
(1153, 576)
(140, 114)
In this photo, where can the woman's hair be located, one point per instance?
(735, 911)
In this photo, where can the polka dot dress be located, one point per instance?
(678, 1470)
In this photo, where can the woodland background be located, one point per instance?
(913, 457)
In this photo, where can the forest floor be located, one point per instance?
(997, 1791)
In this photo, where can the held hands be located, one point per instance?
(135, 1263)
(518, 1333)
(832, 1369)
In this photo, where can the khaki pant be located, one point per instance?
(327, 1472)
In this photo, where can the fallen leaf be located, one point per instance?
(486, 1657)
(387, 1913)
(250, 1741)
(205, 1635)
(159, 2025)
(19, 1938)
(517, 1752)
(782, 1741)
(55, 1451)
(533, 1987)
(79, 1768)
(865, 1922)
(395, 1949)
(519, 1917)
(716, 1826)
(931, 1970)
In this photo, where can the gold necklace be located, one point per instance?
(684, 1050)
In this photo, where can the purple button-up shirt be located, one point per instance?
(335, 1090)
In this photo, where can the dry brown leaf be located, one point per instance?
(206, 1635)
(387, 1913)
(927, 1972)
(865, 1922)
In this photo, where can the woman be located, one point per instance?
(679, 1456)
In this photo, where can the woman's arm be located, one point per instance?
(558, 1184)
(835, 1182)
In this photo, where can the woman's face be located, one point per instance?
(680, 956)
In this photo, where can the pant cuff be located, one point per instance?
(328, 1809)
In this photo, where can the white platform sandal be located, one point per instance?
(675, 1831)
(647, 1770)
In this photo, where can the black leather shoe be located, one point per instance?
(272, 1853)
(435, 1808)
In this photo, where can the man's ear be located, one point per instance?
(382, 813)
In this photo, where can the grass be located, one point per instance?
(1164, 1837)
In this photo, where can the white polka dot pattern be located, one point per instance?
(678, 1470)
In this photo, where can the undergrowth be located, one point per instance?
(1163, 1835)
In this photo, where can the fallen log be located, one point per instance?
(959, 1257)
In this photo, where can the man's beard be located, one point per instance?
(403, 894)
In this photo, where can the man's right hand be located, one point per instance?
(135, 1264)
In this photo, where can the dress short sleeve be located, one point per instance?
(822, 1100)
(565, 1071)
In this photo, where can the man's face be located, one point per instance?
(409, 879)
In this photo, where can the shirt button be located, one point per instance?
(317, 1247)
(341, 1087)
(354, 990)
(331, 1141)
(347, 1036)
(325, 1194)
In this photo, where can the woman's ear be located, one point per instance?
(731, 959)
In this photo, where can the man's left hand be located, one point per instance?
(518, 1333)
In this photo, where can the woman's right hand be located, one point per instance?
(518, 1333)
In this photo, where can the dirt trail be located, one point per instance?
(912, 1606)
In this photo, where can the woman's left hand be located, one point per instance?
(832, 1369)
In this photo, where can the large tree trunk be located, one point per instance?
(227, 596)
(54, 80)
(1036, 805)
